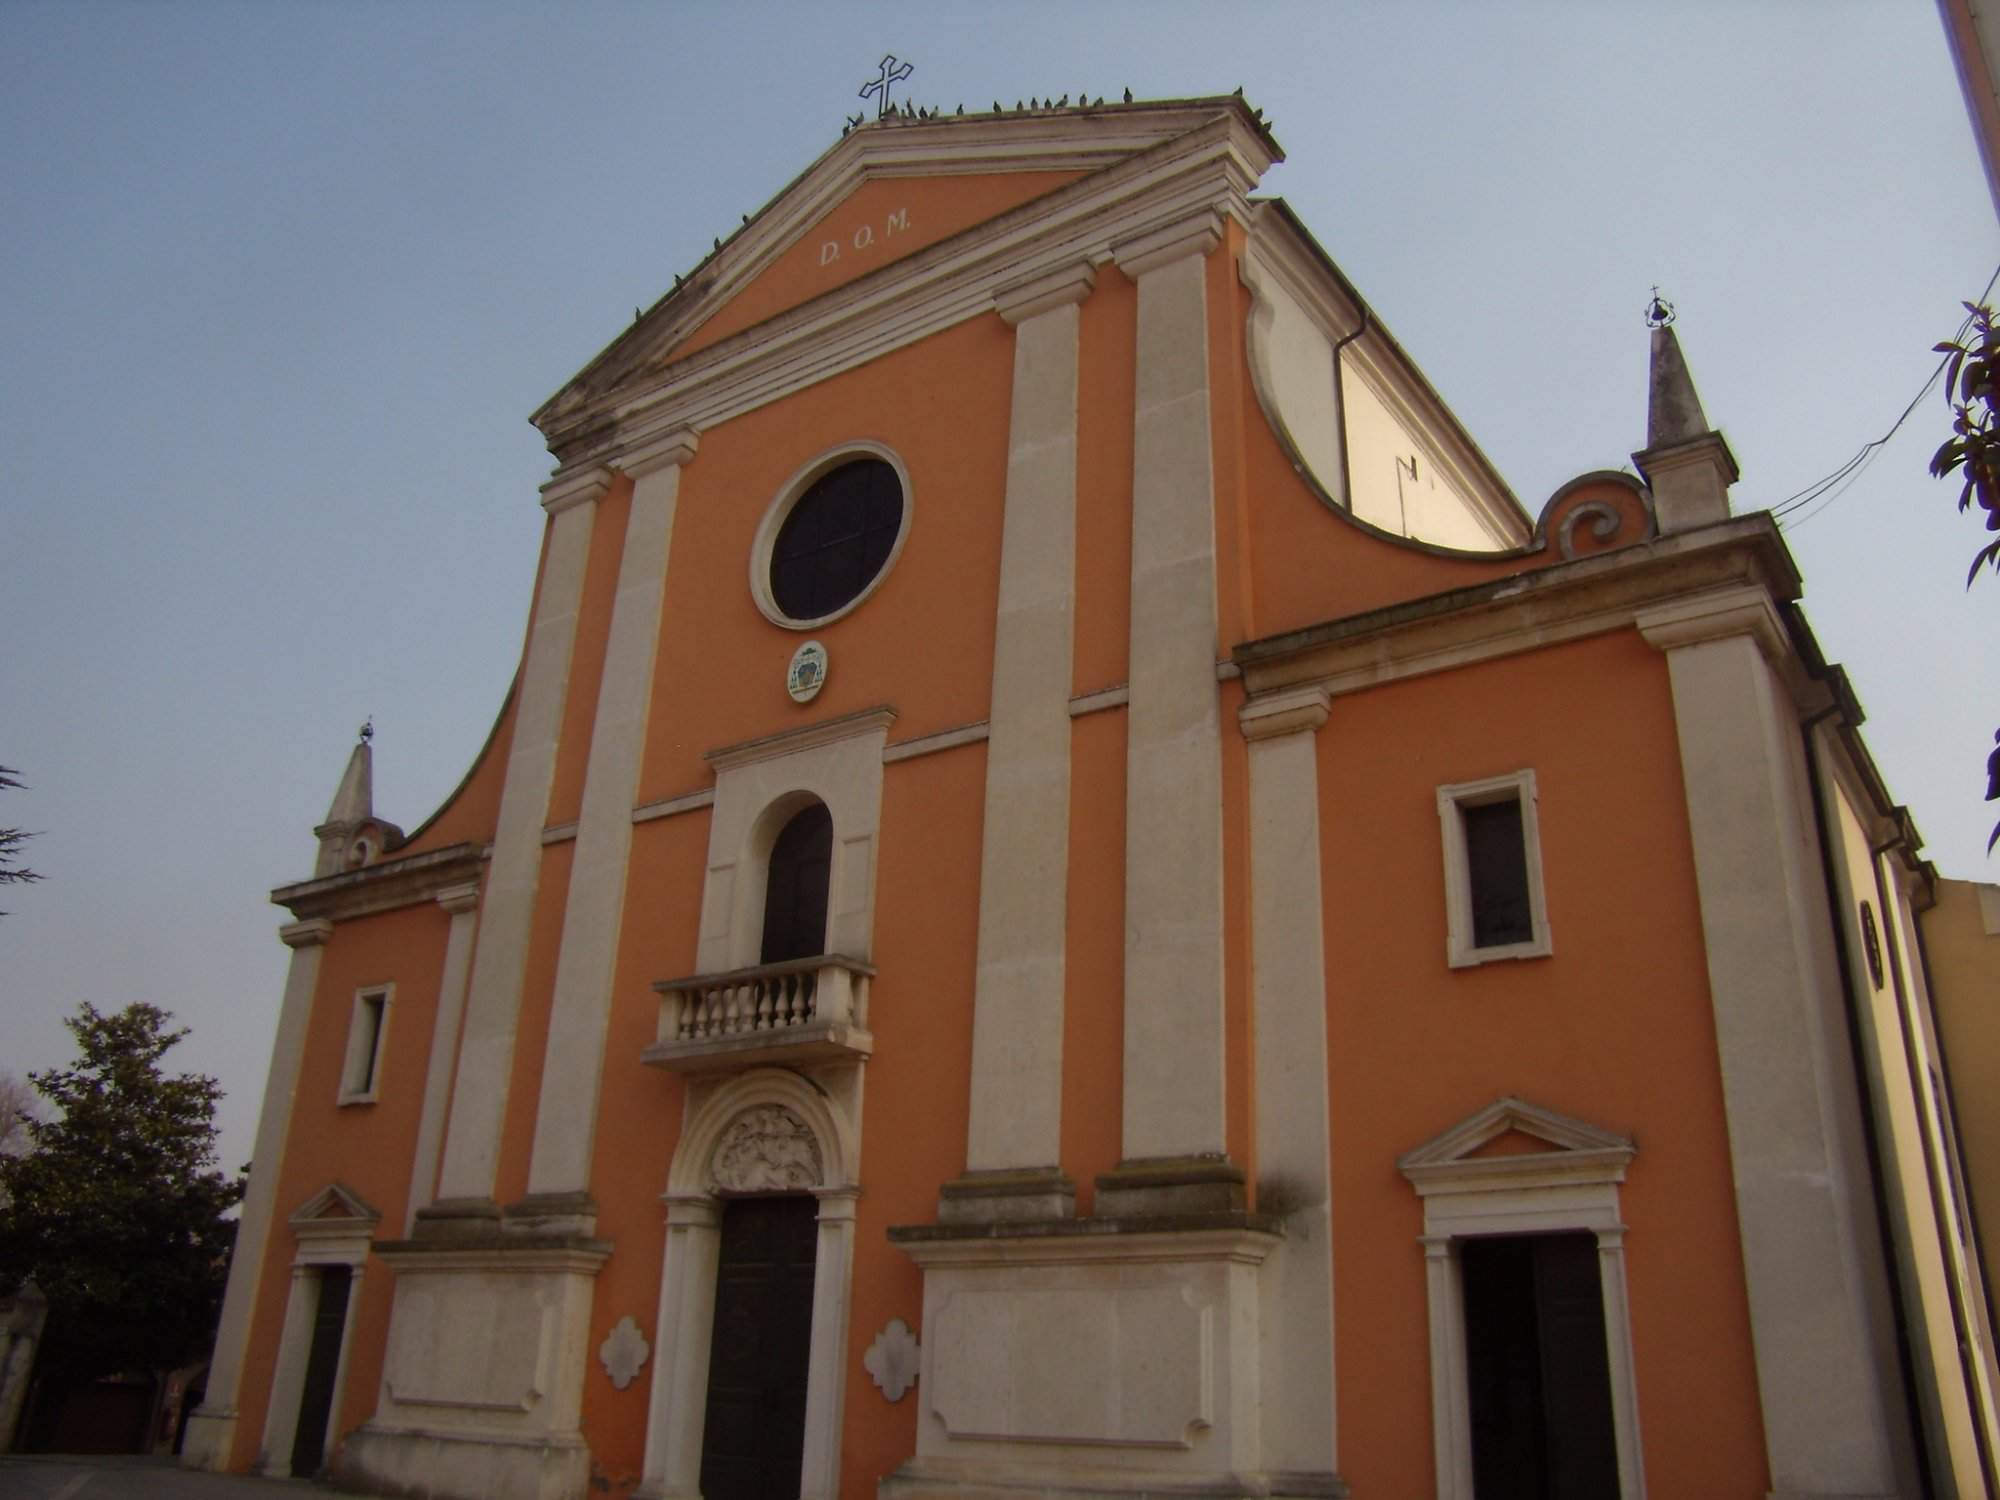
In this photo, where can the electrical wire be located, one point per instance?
(1823, 492)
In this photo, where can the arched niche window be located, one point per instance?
(795, 887)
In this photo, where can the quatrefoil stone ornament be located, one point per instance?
(891, 1361)
(624, 1352)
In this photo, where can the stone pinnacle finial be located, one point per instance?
(1685, 462)
(355, 801)
(1673, 410)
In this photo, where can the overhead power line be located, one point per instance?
(1823, 492)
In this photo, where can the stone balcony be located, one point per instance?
(802, 1010)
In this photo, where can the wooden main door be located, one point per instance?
(753, 1437)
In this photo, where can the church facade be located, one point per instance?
(1073, 898)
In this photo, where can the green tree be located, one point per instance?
(1972, 389)
(117, 1209)
(11, 840)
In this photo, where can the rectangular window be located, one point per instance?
(360, 1074)
(1493, 870)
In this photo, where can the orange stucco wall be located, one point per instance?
(364, 1147)
(924, 641)
(1614, 1028)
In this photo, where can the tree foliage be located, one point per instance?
(17, 1107)
(11, 840)
(1972, 388)
(117, 1209)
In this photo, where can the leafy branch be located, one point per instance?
(1972, 389)
(11, 840)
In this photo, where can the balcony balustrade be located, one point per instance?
(802, 1010)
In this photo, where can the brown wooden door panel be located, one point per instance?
(753, 1437)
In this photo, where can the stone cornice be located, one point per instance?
(1520, 612)
(498, 1251)
(384, 886)
(1717, 615)
(459, 899)
(1291, 711)
(574, 487)
(847, 726)
(1211, 166)
(644, 455)
(308, 934)
(1198, 235)
(1246, 1238)
(1062, 287)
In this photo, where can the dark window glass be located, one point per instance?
(837, 539)
(1496, 861)
(795, 889)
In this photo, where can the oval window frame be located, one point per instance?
(780, 510)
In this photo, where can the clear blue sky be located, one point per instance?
(279, 285)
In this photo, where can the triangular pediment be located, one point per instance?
(1511, 1139)
(334, 1204)
(888, 190)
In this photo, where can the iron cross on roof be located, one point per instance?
(891, 72)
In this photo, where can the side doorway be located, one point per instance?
(1537, 1375)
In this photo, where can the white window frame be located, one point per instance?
(367, 1045)
(1517, 787)
(1571, 1187)
(758, 788)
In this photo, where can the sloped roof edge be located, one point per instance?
(897, 145)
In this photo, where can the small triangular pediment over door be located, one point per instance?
(1512, 1145)
(335, 1204)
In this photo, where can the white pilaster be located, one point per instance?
(212, 1430)
(1451, 1412)
(833, 1270)
(1294, 1142)
(1016, 1110)
(572, 1070)
(1174, 1065)
(462, 902)
(1775, 995)
(682, 1338)
(486, 1054)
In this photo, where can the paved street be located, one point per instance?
(90, 1478)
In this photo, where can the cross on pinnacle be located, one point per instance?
(890, 72)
